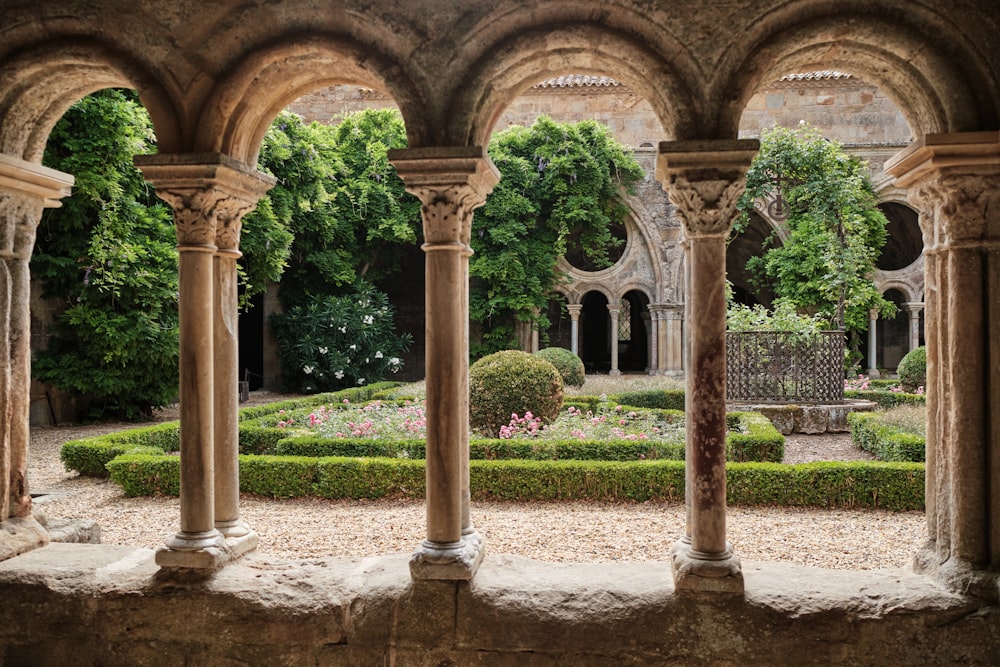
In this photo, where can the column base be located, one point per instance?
(456, 561)
(205, 551)
(957, 575)
(696, 572)
(20, 535)
(234, 528)
(614, 372)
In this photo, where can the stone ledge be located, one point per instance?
(97, 604)
(810, 419)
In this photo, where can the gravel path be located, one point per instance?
(558, 532)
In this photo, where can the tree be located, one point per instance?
(107, 260)
(558, 181)
(835, 229)
(336, 190)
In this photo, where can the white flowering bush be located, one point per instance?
(335, 342)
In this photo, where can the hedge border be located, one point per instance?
(874, 485)
(885, 441)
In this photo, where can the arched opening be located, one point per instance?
(633, 332)
(904, 241)
(595, 330)
(892, 334)
(560, 331)
(753, 241)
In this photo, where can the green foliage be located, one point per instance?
(108, 264)
(666, 399)
(835, 228)
(886, 399)
(896, 435)
(912, 369)
(569, 365)
(338, 341)
(754, 438)
(557, 181)
(509, 382)
(347, 207)
(783, 317)
(146, 474)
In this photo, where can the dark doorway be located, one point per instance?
(595, 348)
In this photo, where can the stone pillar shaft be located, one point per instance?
(872, 343)
(613, 313)
(574, 335)
(25, 190)
(704, 181)
(209, 193)
(913, 311)
(450, 182)
(952, 182)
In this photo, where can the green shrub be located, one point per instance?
(753, 438)
(569, 365)
(668, 399)
(338, 341)
(146, 474)
(886, 399)
(89, 456)
(858, 484)
(509, 382)
(912, 370)
(887, 441)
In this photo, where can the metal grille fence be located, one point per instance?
(773, 367)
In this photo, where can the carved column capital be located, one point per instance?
(951, 179)
(704, 180)
(25, 189)
(209, 192)
(451, 182)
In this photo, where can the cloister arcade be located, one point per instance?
(213, 75)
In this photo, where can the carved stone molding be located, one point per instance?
(451, 182)
(704, 180)
(25, 190)
(209, 192)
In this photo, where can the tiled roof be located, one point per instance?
(577, 80)
(813, 76)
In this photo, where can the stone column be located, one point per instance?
(613, 312)
(209, 193)
(673, 338)
(25, 190)
(704, 181)
(952, 181)
(913, 309)
(647, 323)
(872, 343)
(451, 182)
(574, 332)
(655, 322)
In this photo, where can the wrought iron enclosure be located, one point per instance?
(779, 367)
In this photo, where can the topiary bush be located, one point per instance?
(569, 365)
(912, 369)
(512, 381)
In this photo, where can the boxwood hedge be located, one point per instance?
(885, 441)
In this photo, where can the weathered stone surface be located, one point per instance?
(18, 535)
(110, 605)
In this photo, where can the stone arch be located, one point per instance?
(40, 84)
(934, 92)
(905, 289)
(235, 118)
(516, 62)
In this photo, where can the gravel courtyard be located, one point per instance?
(560, 532)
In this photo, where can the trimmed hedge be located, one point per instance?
(753, 437)
(885, 441)
(889, 486)
(886, 399)
(669, 399)
(89, 456)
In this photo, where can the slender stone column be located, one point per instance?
(872, 343)
(913, 309)
(574, 336)
(613, 313)
(451, 182)
(952, 180)
(704, 181)
(655, 326)
(647, 323)
(209, 194)
(25, 190)
(673, 339)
